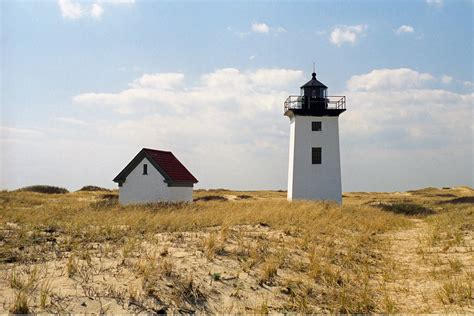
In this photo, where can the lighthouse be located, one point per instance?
(314, 171)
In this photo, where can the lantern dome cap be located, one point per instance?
(314, 82)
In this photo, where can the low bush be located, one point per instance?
(423, 191)
(461, 200)
(244, 197)
(47, 189)
(211, 198)
(410, 209)
(92, 188)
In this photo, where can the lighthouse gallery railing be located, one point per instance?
(294, 102)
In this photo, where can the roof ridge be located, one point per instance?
(151, 149)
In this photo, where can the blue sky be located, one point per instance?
(86, 85)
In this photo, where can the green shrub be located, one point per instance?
(47, 189)
(211, 198)
(244, 197)
(461, 200)
(407, 209)
(92, 188)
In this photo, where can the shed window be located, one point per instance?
(315, 126)
(316, 155)
(145, 168)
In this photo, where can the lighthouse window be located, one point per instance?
(315, 126)
(316, 155)
(145, 168)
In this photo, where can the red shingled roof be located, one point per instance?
(171, 165)
(165, 162)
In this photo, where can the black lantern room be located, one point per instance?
(314, 89)
(314, 101)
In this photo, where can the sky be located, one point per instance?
(86, 85)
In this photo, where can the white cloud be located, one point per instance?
(435, 3)
(7, 133)
(70, 9)
(389, 79)
(396, 103)
(469, 84)
(260, 27)
(413, 118)
(347, 34)
(414, 135)
(71, 120)
(73, 9)
(162, 81)
(117, 1)
(237, 33)
(227, 88)
(275, 77)
(214, 118)
(241, 34)
(404, 29)
(407, 138)
(446, 79)
(97, 10)
(252, 57)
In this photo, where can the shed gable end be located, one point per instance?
(136, 162)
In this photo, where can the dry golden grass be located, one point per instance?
(241, 252)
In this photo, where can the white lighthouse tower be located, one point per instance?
(314, 171)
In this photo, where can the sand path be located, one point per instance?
(421, 271)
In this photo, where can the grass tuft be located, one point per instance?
(456, 290)
(20, 305)
(188, 291)
(269, 271)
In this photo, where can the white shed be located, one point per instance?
(155, 176)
